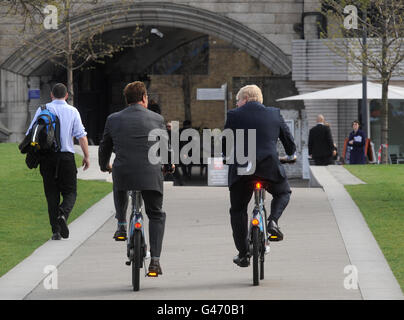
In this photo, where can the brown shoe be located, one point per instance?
(154, 268)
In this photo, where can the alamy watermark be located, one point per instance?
(351, 20)
(236, 143)
(51, 19)
(351, 280)
(51, 281)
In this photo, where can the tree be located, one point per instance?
(383, 51)
(194, 56)
(66, 45)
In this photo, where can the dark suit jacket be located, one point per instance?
(270, 126)
(126, 133)
(321, 144)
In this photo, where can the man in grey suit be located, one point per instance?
(126, 133)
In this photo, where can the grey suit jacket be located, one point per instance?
(126, 133)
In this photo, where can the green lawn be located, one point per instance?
(24, 220)
(381, 202)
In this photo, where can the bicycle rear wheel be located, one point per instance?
(256, 254)
(137, 259)
(262, 255)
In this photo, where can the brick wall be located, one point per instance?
(167, 89)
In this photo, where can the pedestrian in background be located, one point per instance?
(356, 142)
(176, 176)
(58, 169)
(321, 144)
(186, 168)
(335, 149)
(154, 106)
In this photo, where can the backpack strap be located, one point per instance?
(43, 107)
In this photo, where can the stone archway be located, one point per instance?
(25, 60)
(16, 69)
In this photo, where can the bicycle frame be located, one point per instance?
(258, 240)
(259, 213)
(136, 223)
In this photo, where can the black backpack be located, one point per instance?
(42, 139)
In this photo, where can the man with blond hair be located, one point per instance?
(269, 126)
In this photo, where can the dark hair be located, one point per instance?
(355, 121)
(59, 91)
(134, 92)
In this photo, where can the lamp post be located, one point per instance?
(364, 107)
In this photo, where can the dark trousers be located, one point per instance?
(240, 196)
(323, 161)
(59, 174)
(153, 202)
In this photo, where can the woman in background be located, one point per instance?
(357, 141)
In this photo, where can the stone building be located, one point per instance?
(272, 43)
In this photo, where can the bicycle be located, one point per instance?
(136, 241)
(258, 235)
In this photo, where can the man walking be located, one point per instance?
(270, 126)
(58, 169)
(321, 145)
(126, 133)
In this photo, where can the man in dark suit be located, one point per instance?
(270, 126)
(321, 145)
(126, 133)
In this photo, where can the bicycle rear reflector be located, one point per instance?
(255, 222)
(258, 185)
(138, 225)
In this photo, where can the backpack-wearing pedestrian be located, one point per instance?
(58, 169)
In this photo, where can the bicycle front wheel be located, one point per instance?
(137, 260)
(256, 254)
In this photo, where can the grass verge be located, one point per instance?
(23, 210)
(381, 202)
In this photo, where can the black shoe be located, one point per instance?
(274, 232)
(154, 268)
(242, 262)
(64, 230)
(120, 233)
(56, 236)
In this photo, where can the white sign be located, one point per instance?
(211, 94)
(217, 172)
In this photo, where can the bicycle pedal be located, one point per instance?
(274, 238)
(128, 263)
(120, 239)
(152, 274)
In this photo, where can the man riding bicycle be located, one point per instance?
(270, 126)
(126, 133)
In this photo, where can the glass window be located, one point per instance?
(396, 125)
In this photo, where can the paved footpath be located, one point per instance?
(198, 250)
